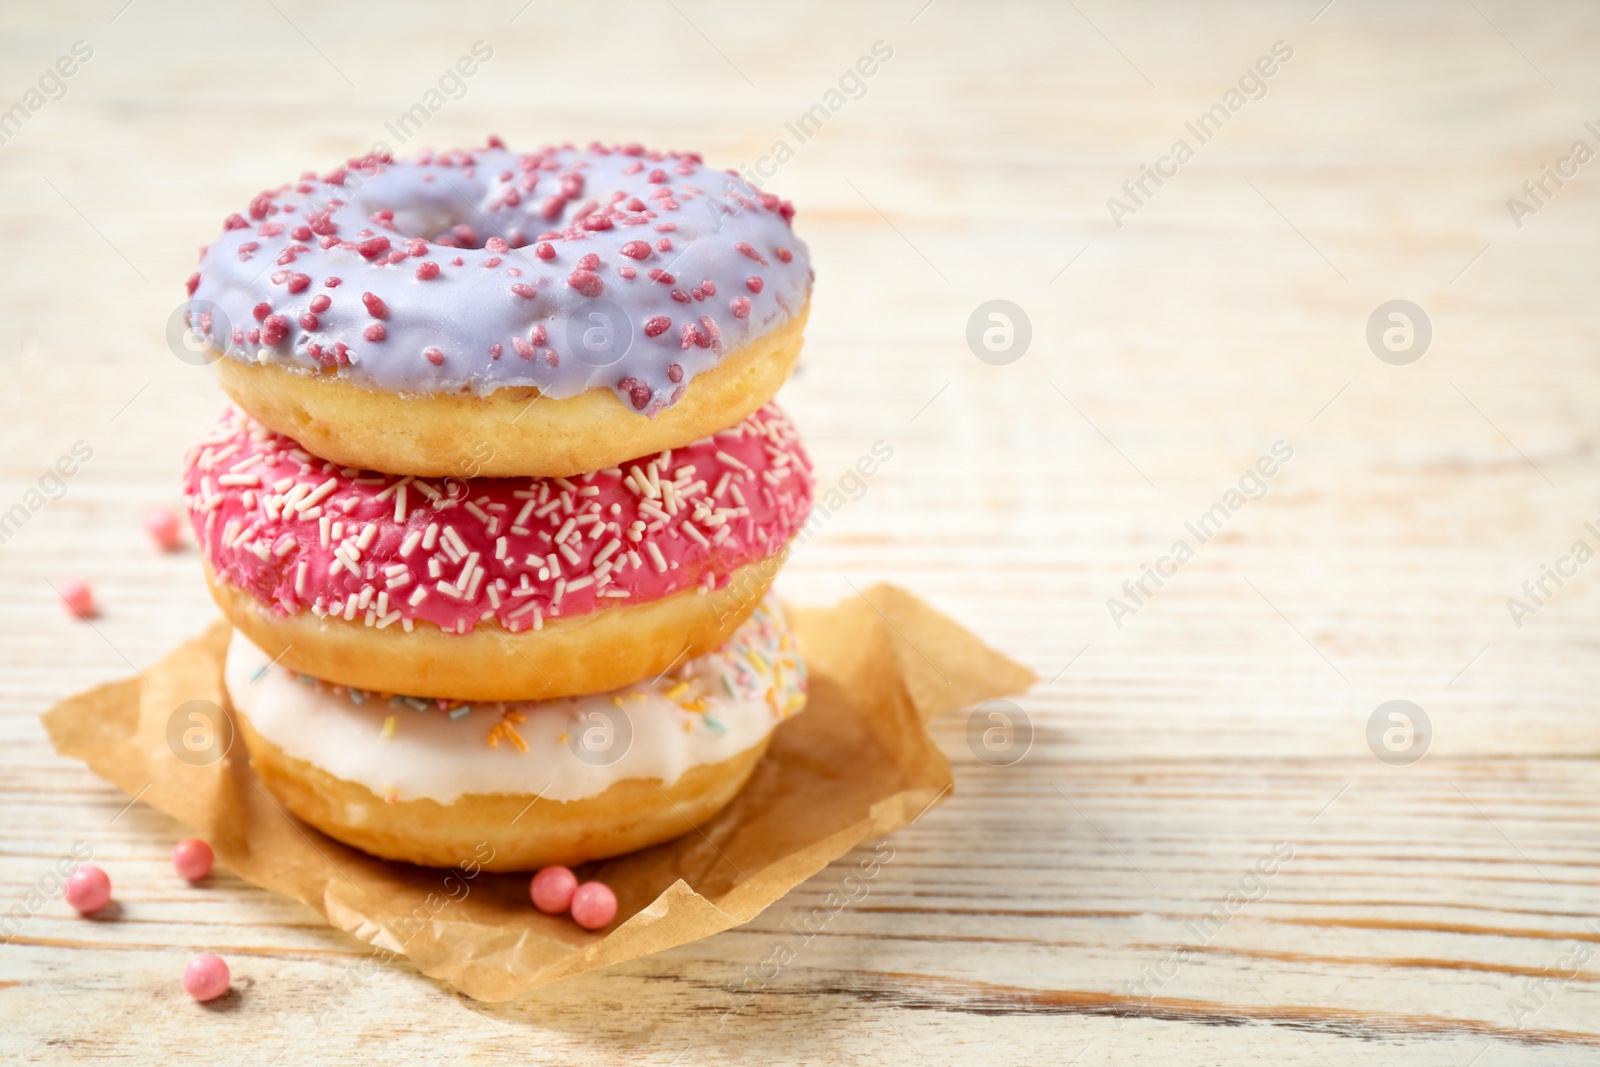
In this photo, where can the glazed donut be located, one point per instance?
(405, 316)
(493, 588)
(557, 781)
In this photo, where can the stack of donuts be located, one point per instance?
(496, 508)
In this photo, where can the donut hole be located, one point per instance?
(449, 226)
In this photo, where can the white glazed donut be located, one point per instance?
(556, 781)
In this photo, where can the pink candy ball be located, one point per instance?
(192, 859)
(552, 890)
(593, 905)
(88, 889)
(206, 977)
(162, 526)
(78, 598)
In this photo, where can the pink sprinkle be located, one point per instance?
(597, 222)
(308, 321)
(333, 283)
(544, 250)
(784, 255)
(523, 289)
(741, 307)
(274, 329)
(193, 283)
(435, 356)
(192, 859)
(373, 247)
(88, 889)
(628, 272)
(589, 262)
(78, 598)
(427, 270)
(206, 977)
(636, 249)
(657, 326)
(593, 905)
(375, 332)
(745, 248)
(552, 888)
(586, 282)
(162, 526)
(321, 302)
(664, 245)
(524, 349)
(375, 305)
(261, 311)
(298, 283)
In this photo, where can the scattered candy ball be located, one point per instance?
(78, 598)
(88, 889)
(192, 859)
(206, 977)
(162, 526)
(593, 905)
(552, 890)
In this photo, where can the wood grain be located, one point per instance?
(1425, 908)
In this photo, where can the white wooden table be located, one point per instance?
(1440, 912)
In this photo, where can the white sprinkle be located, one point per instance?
(656, 557)
(454, 540)
(317, 495)
(431, 536)
(419, 596)
(407, 546)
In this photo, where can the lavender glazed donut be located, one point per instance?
(489, 313)
(493, 588)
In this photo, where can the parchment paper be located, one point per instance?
(855, 765)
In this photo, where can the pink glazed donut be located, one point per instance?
(490, 313)
(493, 588)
